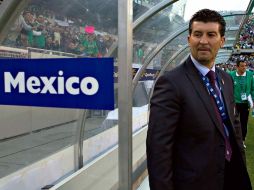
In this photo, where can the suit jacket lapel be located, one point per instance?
(201, 90)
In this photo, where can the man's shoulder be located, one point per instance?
(249, 73)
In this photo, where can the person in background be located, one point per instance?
(243, 93)
(140, 54)
(17, 35)
(194, 137)
(90, 46)
(39, 41)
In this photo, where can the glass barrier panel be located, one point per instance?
(57, 29)
(153, 31)
(181, 56)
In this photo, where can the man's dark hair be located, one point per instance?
(238, 62)
(25, 12)
(207, 15)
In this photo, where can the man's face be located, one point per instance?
(28, 17)
(49, 40)
(205, 41)
(40, 19)
(241, 68)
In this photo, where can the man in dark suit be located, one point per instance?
(194, 138)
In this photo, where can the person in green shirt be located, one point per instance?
(39, 41)
(140, 54)
(90, 46)
(243, 93)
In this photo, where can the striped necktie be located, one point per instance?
(212, 79)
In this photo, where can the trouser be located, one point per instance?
(243, 110)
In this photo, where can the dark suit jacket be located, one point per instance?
(185, 143)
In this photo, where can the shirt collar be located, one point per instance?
(201, 68)
(243, 75)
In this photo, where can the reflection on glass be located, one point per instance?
(153, 31)
(76, 28)
(180, 57)
(141, 96)
(158, 27)
(54, 29)
(24, 142)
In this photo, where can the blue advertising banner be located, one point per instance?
(85, 83)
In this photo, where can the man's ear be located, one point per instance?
(222, 42)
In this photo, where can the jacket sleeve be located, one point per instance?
(163, 119)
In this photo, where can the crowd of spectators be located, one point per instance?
(245, 42)
(40, 28)
(246, 38)
(248, 58)
(230, 65)
(226, 66)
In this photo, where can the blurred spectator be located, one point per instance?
(73, 48)
(90, 46)
(51, 44)
(140, 54)
(101, 44)
(40, 40)
(57, 36)
(19, 31)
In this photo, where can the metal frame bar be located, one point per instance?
(78, 146)
(125, 31)
(148, 14)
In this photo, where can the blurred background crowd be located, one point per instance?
(42, 28)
